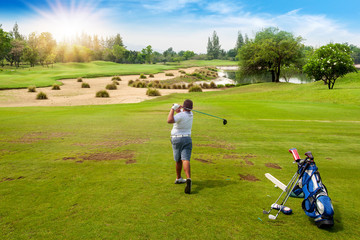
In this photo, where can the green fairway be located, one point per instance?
(106, 172)
(46, 76)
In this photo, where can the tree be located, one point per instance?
(147, 52)
(46, 47)
(330, 62)
(119, 53)
(169, 55)
(269, 51)
(355, 53)
(188, 54)
(5, 45)
(16, 52)
(213, 47)
(15, 33)
(239, 42)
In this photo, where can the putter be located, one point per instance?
(224, 120)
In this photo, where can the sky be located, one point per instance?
(185, 24)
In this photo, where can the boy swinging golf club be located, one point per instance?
(181, 140)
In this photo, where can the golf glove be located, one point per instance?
(175, 106)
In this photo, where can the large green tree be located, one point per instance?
(213, 47)
(270, 50)
(5, 44)
(330, 62)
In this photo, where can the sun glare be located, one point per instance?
(65, 22)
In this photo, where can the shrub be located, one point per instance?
(55, 87)
(195, 88)
(31, 89)
(115, 82)
(142, 76)
(169, 74)
(79, 79)
(182, 71)
(111, 86)
(41, 96)
(190, 85)
(130, 82)
(220, 86)
(153, 92)
(116, 78)
(151, 84)
(174, 86)
(85, 85)
(102, 94)
(151, 75)
(183, 86)
(205, 85)
(212, 85)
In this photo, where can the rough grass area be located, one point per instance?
(107, 172)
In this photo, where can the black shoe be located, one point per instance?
(188, 186)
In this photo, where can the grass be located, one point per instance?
(46, 76)
(53, 182)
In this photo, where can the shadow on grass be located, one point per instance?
(197, 185)
(338, 225)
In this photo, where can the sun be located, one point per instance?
(66, 22)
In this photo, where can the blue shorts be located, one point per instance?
(182, 147)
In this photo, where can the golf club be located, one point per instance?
(224, 120)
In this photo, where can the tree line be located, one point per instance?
(43, 49)
(278, 52)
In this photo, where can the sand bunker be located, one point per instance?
(71, 93)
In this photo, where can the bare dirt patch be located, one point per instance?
(10, 179)
(105, 156)
(71, 93)
(249, 177)
(130, 161)
(273, 165)
(231, 156)
(203, 160)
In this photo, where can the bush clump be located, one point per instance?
(115, 82)
(213, 85)
(41, 96)
(151, 75)
(153, 92)
(111, 86)
(85, 85)
(130, 82)
(116, 78)
(142, 76)
(169, 74)
(55, 87)
(31, 89)
(195, 88)
(79, 79)
(102, 94)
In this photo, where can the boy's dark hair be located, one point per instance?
(188, 104)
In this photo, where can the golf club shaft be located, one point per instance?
(204, 113)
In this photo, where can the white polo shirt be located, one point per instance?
(183, 123)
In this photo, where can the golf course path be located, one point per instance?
(71, 93)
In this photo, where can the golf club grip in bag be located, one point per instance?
(316, 204)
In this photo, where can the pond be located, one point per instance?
(230, 75)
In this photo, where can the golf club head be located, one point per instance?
(225, 122)
(272, 217)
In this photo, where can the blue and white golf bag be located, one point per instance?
(317, 204)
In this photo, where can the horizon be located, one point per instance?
(183, 24)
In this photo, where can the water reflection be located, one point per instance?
(231, 73)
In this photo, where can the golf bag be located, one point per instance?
(316, 204)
